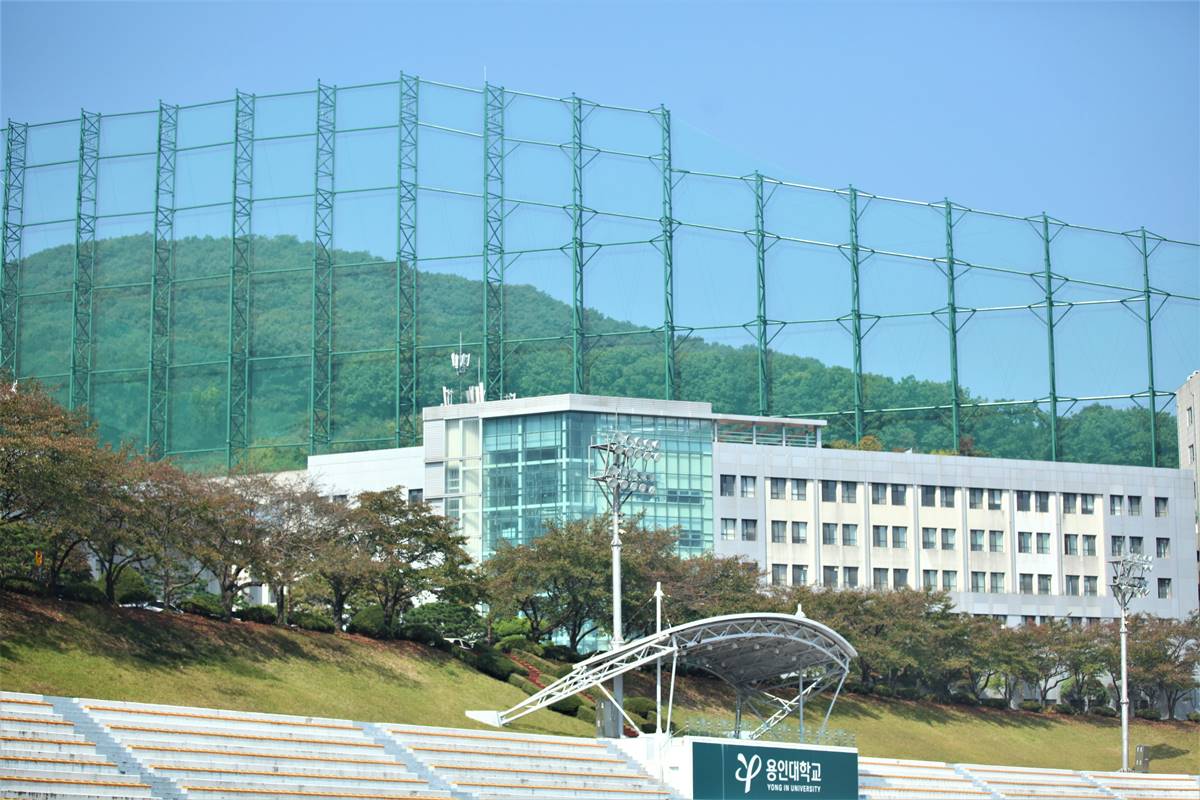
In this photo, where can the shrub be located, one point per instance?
(369, 622)
(1193, 716)
(882, 690)
(21, 586)
(585, 713)
(489, 662)
(524, 684)
(909, 693)
(854, 687)
(1104, 711)
(450, 620)
(518, 642)
(1030, 705)
(641, 706)
(82, 593)
(963, 699)
(1148, 713)
(312, 621)
(995, 702)
(513, 626)
(1064, 708)
(568, 705)
(132, 588)
(204, 604)
(133, 596)
(264, 615)
(422, 634)
(558, 652)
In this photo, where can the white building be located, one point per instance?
(1016, 539)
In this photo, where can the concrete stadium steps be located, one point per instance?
(898, 779)
(226, 755)
(1028, 783)
(1139, 786)
(506, 765)
(44, 757)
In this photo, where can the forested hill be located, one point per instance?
(450, 306)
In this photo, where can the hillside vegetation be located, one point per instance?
(64, 648)
(364, 318)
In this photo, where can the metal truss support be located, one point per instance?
(408, 431)
(85, 261)
(952, 328)
(321, 396)
(10, 253)
(1048, 287)
(239, 280)
(760, 275)
(667, 246)
(493, 241)
(161, 279)
(578, 259)
(856, 316)
(1148, 313)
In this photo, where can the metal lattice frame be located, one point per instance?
(952, 328)
(161, 279)
(322, 287)
(493, 241)
(666, 244)
(10, 252)
(775, 660)
(578, 256)
(85, 260)
(239, 280)
(407, 408)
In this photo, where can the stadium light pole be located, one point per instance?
(619, 479)
(1129, 582)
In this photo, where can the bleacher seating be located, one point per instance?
(59, 749)
(43, 756)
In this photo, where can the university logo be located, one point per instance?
(748, 771)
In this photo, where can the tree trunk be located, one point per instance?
(280, 604)
(338, 607)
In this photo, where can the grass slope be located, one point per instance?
(78, 650)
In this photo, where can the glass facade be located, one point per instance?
(536, 469)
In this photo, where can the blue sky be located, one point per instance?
(1087, 111)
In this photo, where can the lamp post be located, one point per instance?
(1129, 582)
(619, 479)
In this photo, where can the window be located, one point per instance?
(899, 494)
(975, 498)
(979, 582)
(928, 538)
(799, 533)
(1089, 544)
(1041, 501)
(949, 580)
(799, 574)
(779, 574)
(899, 537)
(1022, 500)
(1135, 545)
(414, 496)
(1135, 505)
(947, 497)
(929, 579)
(1160, 506)
(948, 538)
(727, 484)
(850, 577)
(728, 529)
(1191, 454)
(1164, 588)
(799, 489)
(995, 496)
(849, 492)
(1087, 503)
(1069, 500)
(1162, 547)
(1115, 504)
(879, 578)
(976, 541)
(828, 533)
(928, 496)
(1024, 542)
(828, 491)
(1117, 546)
(829, 577)
(749, 530)
(1026, 583)
(1089, 585)
(1043, 584)
(878, 494)
(1191, 418)
(997, 583)
(341, 498)
(748, 482)
(1070, 544)
(453, 479)
(996, 541)
(778, 531)
(1043, 544)
(849, 534)
(879, 535)
(1073, 585)
(899, 579)
(778, 488)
